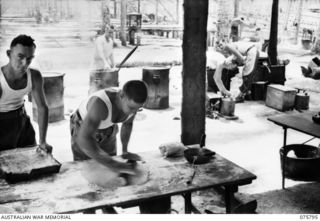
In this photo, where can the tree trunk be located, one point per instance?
(273, 38)
(224, 18)
(287, 14)
(236, 8)
(123, 21)
(177, 11)
(298, 21)
(157, 11)
(194, 71)
(115, 13)
(316, 46)
(105, 14)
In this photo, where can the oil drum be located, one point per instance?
(157, 80)
(53, 91)
(103, 78)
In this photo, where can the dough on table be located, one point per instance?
(98, 174)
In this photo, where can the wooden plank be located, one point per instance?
(69, 192)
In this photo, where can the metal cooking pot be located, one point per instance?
(302, 100)
(305, 166)
(227, 106)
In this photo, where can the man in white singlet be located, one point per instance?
(103, 51)
(94, 125)
(16, 81)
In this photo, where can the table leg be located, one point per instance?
(229, 197)
(283, 158)
(285, 136)
(187, 203)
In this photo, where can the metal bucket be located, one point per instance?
(100, 79)
(304, 166)
(157, 79)
(53, 90)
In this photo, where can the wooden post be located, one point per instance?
(194, 71)
(123, 21)
(273, 38)
(138, 6)
(298, 21)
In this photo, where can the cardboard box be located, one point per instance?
(280, 97)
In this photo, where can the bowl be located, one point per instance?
(198, 155)
(316, 118)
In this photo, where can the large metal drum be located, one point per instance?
(157, 79)
(53, 90)
(103, 78)
(304, 165)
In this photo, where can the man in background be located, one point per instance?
(103, 51)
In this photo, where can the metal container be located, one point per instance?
(157, 79)
(304, 166)
(53, 91)
(227, 106)
(301, 100)
(100, 79)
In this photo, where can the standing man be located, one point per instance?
(103, 51)
(16, 81)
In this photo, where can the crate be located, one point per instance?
(280, 97)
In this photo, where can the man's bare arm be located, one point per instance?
(217, 78)
(125, 133)
(43, 112)
(97, 111)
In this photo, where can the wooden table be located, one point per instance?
(69, 192)
(301, 122)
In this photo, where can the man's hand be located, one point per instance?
(107, 66)
(226, 94)
(131, 156)
(46, 147)
(124, 168)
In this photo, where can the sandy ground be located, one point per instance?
(252, 142)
